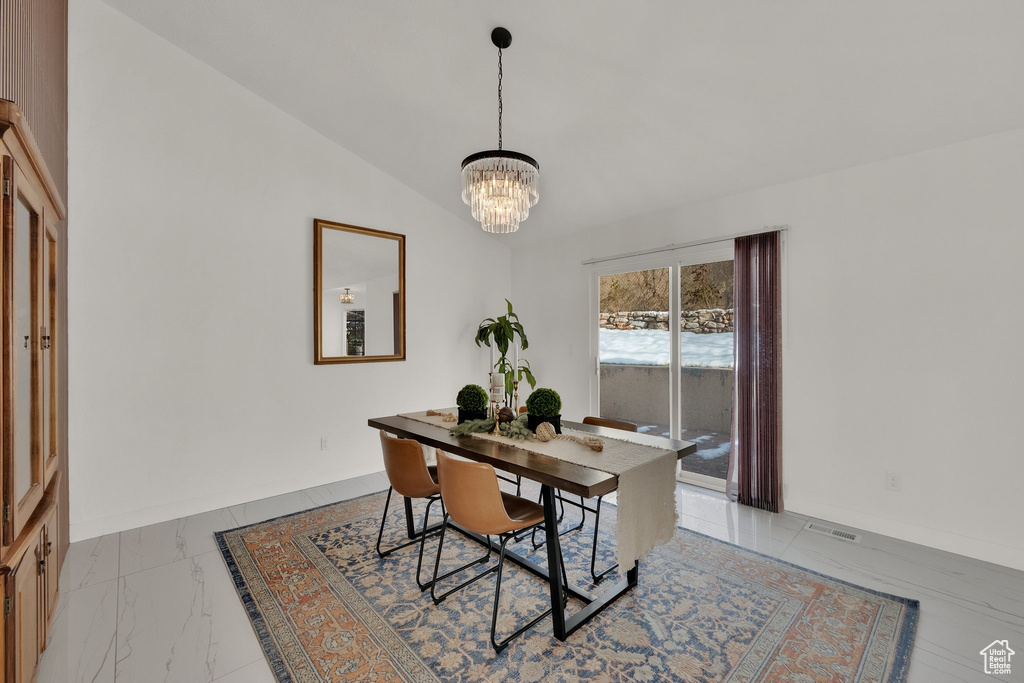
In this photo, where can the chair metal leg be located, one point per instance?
(517, 481)
(415, 536)
(437, 563)
(583, 515)
(593, 550)
(502, 644)
(383, 519)
(423, 542)
(561, 502)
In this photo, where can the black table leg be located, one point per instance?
(554, 563)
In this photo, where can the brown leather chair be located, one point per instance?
(410, 476)
(613, 424)
(474, 502)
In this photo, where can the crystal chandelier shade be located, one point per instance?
(347, 297)
(500, 189)
(500, 186)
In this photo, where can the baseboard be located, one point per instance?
(132, 519)
(969, 546)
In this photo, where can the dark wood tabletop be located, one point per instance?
(568, 477)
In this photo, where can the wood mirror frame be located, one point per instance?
(365, 263)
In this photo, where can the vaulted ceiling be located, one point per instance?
(629, 107)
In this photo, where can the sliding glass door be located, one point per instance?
(664, 351)
(635, 349)
(706, 369)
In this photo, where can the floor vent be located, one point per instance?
(829, 531)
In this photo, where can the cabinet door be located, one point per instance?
(26, 614)
(49, 337)
(23, 462)
(51, 571)
(6, 665)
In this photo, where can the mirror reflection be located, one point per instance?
(360, 294)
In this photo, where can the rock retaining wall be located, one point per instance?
(706, 321)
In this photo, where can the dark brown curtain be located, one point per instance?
(755, 466)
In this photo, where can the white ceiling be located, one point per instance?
(628, 106)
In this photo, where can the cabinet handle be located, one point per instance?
(42, 566)
(49, 548)
(26, 341)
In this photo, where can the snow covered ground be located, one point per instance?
(651, 347)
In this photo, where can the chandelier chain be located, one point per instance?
(499, 98)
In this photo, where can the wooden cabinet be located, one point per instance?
(33, 368)
(30, 591)
(26, 614)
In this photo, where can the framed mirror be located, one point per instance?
(358, 294)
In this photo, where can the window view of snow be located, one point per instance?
(651, 347)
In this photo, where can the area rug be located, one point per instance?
(325, 607)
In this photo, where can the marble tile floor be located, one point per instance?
(157, 604)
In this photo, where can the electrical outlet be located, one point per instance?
(892, 482)
(323, 443)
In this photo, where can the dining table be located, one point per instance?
(553, 475)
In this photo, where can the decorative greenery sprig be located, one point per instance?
(516, 429)
(472, 427)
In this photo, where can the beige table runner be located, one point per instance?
(647, 483)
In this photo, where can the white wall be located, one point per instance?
(928, 247)
(191, 377)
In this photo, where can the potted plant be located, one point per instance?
(544, 405)
(500, 333)
(472, 402)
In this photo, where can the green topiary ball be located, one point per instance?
(544, 403)
(472, 397)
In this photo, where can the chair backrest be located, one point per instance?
(406, 467)
(471, 495)
(608, 422)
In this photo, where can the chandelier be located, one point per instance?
(347, 297)
(498, 185)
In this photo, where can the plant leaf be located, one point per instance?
(522, 335)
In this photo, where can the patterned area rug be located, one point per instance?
(326, 608)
